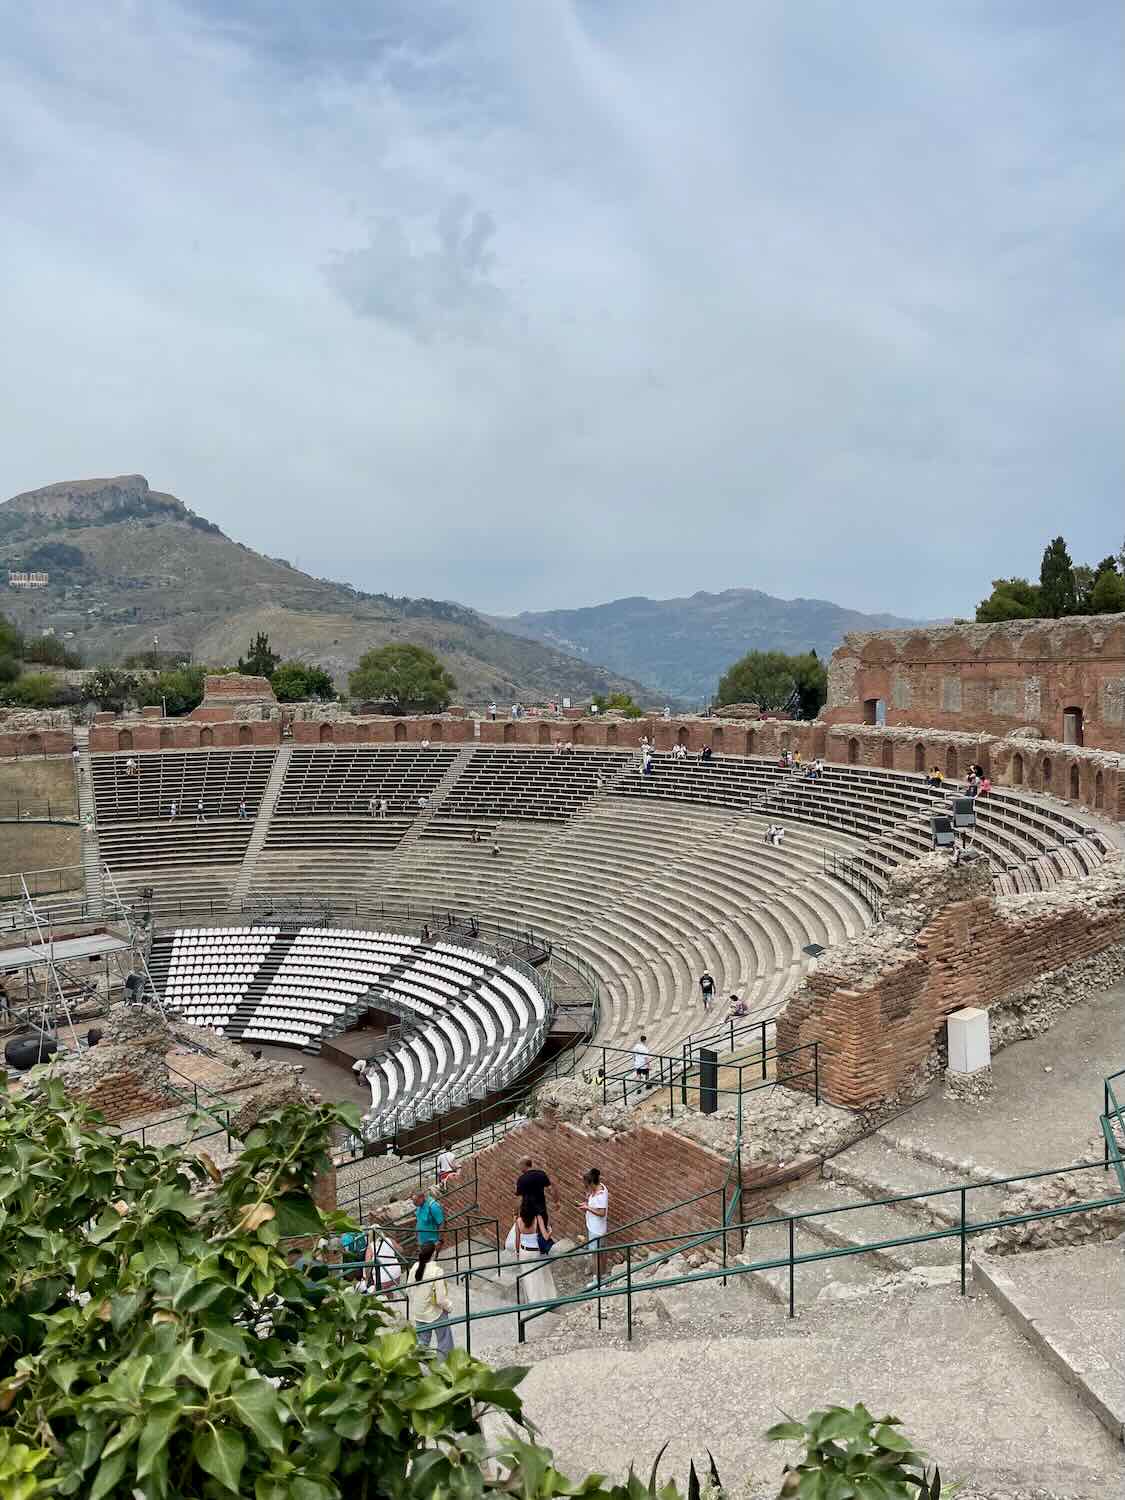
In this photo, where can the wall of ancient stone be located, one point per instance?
(876, 1005)
(989, 678)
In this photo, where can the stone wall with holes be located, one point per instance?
(876, 1005)
(147, 734)
(439, 730)
(989, 678)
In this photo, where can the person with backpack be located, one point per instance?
(354, 1246)
(428, 1300)
(706, 989)
(429, 1220)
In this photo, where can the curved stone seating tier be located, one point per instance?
(222, 778)
(341, 780)
(650, 879)
(470, 1024)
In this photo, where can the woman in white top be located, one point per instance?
(382, 1269)
(596, 1206)
(536, 1282)
(427, 1300)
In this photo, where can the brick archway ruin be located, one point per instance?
(919, 756)
(853, 752)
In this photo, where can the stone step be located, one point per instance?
(877, 1170)
(849, 1226)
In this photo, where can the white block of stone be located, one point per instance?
(970, 1046)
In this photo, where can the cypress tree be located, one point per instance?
(1058, 595)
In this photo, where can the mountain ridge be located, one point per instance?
(681, 646)
(127, 563)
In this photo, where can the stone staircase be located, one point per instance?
(404, 851)
(91, 853)
(244, 881)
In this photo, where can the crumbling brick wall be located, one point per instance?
(876, 1005)
(988, 678)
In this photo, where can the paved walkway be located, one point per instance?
(1048, 1096)
(967, 1386)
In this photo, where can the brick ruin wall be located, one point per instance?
(989, 679)
(877, 1005)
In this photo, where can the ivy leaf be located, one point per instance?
(159, 1422)
(887, 1437)
(254, 1217)
(110, 1471)
(786, 1432)
(259, 1406)
(222, 1453)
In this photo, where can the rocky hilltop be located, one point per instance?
(126, 562)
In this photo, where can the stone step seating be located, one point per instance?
(723, 781)
(525, 782)
(651, 895)
(184, 858)
(325, 799)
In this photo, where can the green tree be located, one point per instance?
(179, 691)
(409, 678)
(812, 684)
(35, 690)
(1058, 595)
(619, 703)
(110, 688)
(1107, 597)
(49, 651)
(767, 678)
(11, 641)
(9, 669)
(295, 681)
(259, 660)
(1011, 599)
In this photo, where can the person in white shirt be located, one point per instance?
(596, 1206)
(446, 1167)
(641, 1059)
(382, 1269)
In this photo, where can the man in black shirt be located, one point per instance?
(531, 1188)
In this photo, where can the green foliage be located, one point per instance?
(51, 652)
(181, 690)
(110, 688)
(619, 703)
(157, 1340)
(9, 669)
(35, 690)
(767, 678)
(55, 557)
(1011, 599)
(11, 641)
(851, 1455)
(812, 684)
(259, 660)
(1058, 594)
(294, 681)
(1107, 597)
(409, 678)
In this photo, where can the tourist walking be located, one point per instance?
(383, 805)
(429, 1219)
(172, 813)
(595, 1205)
(447, 1169)
(641, 1060)
(383, 1269)
(200, 817)
(428, 1301)
(706, 989)
(242, 813)
(532, 1187)
(536, 1283)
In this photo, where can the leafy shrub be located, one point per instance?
(34, 690)
(851, 1455)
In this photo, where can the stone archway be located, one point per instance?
(206, 737)
(951, 769)
(437, 730)
(1075, 784)
(400, 732)
(684, 736)
(1099, 792)
(919, 756)
(509, 734)
(1017, 770)
(543, 733)
(888, 755)
(783, 741)
(610, 735)
(1045, 774)
(325, 735)
(750, 742)
(853, 752)
(579, 735)
(245, 735)
(167, 739)
(125, 739)
(717, 737)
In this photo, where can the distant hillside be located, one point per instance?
(681, 647)
(127, 563)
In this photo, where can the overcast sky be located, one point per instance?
(535, 304)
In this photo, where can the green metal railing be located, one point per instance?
(642, 1255)
(1113, 1126)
